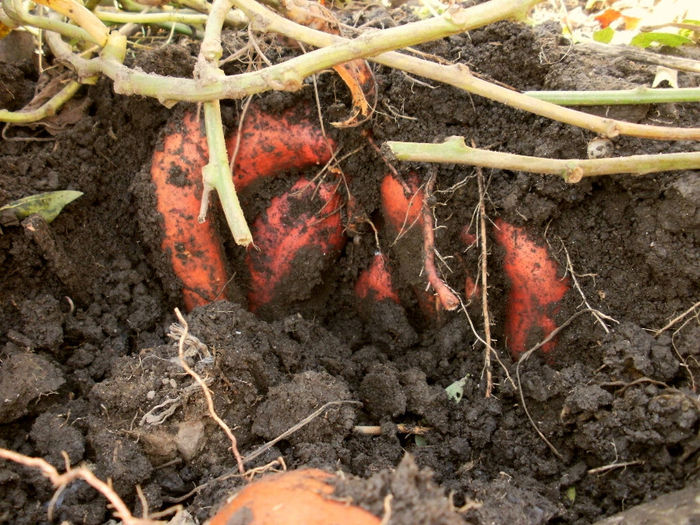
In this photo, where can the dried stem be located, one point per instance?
(676, 319)
(60, 481)
(484, 283)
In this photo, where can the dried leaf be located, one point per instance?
(607, 17)
(664, 74)
(48, 205)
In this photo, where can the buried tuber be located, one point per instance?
(270, 145)
(302, 229)
(287, 230)
(297, 497)
(194, 249)
(535, 289)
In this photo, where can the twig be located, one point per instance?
(522, 359)
(60, 481)
(205, 391)
(676, 320)
(611, 466)
(448, 299)
(376, 430)
(484, 283)
(455, 151)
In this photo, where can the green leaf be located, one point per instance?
(456, 390)
(420, 441)
(48, 205)
(664, 39)
(604, 36)
(571, 494)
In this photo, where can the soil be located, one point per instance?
(87, 366)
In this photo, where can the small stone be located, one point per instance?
(189, 439)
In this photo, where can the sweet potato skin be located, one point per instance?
(535, 289)
(292, 227)
(297, 497)
(374, 283)
(194, 249)
(273, 144)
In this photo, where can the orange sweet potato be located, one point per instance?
(374, 283)
(273, 144)
(298, 497)
(535, 289)
(402, 210)
(293, 226)
(194, 249)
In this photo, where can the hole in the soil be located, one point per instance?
(675, 450)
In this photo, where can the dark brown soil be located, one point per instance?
(86, 366)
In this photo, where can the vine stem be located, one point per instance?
(640, 95)
(375, 46)
(455, 151)
(216, 174)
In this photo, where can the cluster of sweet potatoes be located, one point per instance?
(291, 231)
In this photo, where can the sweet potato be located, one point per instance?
(298, 497)
(194, 249)
(535, 289)
(374, 283)
(402, 210)
(273, 144)
(294, 226)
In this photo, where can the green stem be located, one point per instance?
(459, 76)
(46, 110)
(455, 151)
(640, 95)
(16, 11)
(121, 17)
(217, 175)
(234, 17)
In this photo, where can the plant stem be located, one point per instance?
(289, 75)
(217, 173)
(46, 110)
(234, 17)
(455, 151)
(82, 17)
(121, 17)
(16, 11)
(459, 76)
(640, 95)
